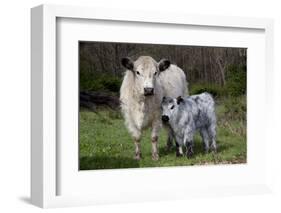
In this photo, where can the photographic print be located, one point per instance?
(154, 105)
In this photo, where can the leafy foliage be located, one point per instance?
(214, 89)
(236, 108)
(100, 82)
(208, 65)
(236, 80)
(236, 83)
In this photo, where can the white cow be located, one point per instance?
(144, 85)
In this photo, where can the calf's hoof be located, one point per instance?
(155, 156)
(178, 154)
(189, 154)
(214, 150)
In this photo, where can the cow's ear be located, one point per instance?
(128, 63)
(179, 100)
(163, 64)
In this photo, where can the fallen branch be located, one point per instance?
(91, 100)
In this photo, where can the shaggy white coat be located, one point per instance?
(142, 111)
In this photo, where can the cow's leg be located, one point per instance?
(154, 139)
(137, 149)
(154, 142)
(137, 139)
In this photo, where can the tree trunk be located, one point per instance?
(222, 71)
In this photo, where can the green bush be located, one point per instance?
(236, 107)
(236, 80)
(99, 82)
(236, 84)
(111, 84)
(215, 90)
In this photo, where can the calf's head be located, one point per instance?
(169, 107)
(145, 70)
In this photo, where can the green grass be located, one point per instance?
(105, 143)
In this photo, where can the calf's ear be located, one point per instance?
(163, 64)
(179, 100)
(128, 63)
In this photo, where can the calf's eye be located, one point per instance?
(172, 107)
(155, 73)
(138, 72)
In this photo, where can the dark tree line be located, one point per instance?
(201, 64)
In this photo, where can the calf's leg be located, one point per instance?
(179, 152)
(188, 141)
(205, 137)
(170, 139)
(212, 136)
(189, 148)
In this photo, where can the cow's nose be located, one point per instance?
(165, 118)
(148, 91)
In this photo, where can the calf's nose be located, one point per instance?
(165, 118)
(148, 91)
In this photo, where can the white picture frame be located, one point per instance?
(44, 153)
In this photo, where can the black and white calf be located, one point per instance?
(187, 115)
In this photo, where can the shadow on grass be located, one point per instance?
(102, 162)
(164, 151)
(198, 148)
(221, 146)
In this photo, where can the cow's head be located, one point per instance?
(145, 70)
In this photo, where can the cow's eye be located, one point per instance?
(155, 73)
(138, 72)
(172, 107)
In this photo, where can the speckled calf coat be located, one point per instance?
(144, 85)
(186, 116)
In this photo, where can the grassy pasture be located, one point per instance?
(106, 144)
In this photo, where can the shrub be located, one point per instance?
(111, 84)
(215, 90)
(236, 107)
(99, 82)
(86, 81)
(236, 80)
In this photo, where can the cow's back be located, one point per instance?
(173, 82)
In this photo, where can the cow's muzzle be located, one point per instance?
(148, 91)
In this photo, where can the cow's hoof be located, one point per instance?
(137, 156)
(155, 156)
